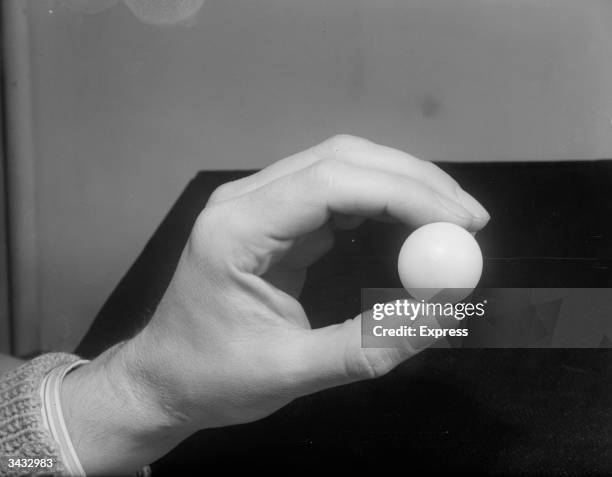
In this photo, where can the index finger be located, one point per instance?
(364, 153)
(299, 203)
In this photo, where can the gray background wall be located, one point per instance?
(125, 113)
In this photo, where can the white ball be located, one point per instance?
(441, 261)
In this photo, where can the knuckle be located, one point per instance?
(325, 171)
(221, 193)
(207, 220)
(218, 238)
(343, 142)
(367, 363)
(214, 224)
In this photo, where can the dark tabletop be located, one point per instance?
(486, 411)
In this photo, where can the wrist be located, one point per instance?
(113, 418)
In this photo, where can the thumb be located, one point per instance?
(334, 355)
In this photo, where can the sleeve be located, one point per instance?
(23, 434)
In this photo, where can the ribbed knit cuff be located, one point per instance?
(23, 435)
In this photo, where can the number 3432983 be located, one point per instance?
(30, 463)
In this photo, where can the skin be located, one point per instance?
(230, 342)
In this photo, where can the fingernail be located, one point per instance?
(455, 207)
(471, 204)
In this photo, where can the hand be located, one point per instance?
(229, 342)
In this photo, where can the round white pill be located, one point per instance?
(440, 260)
